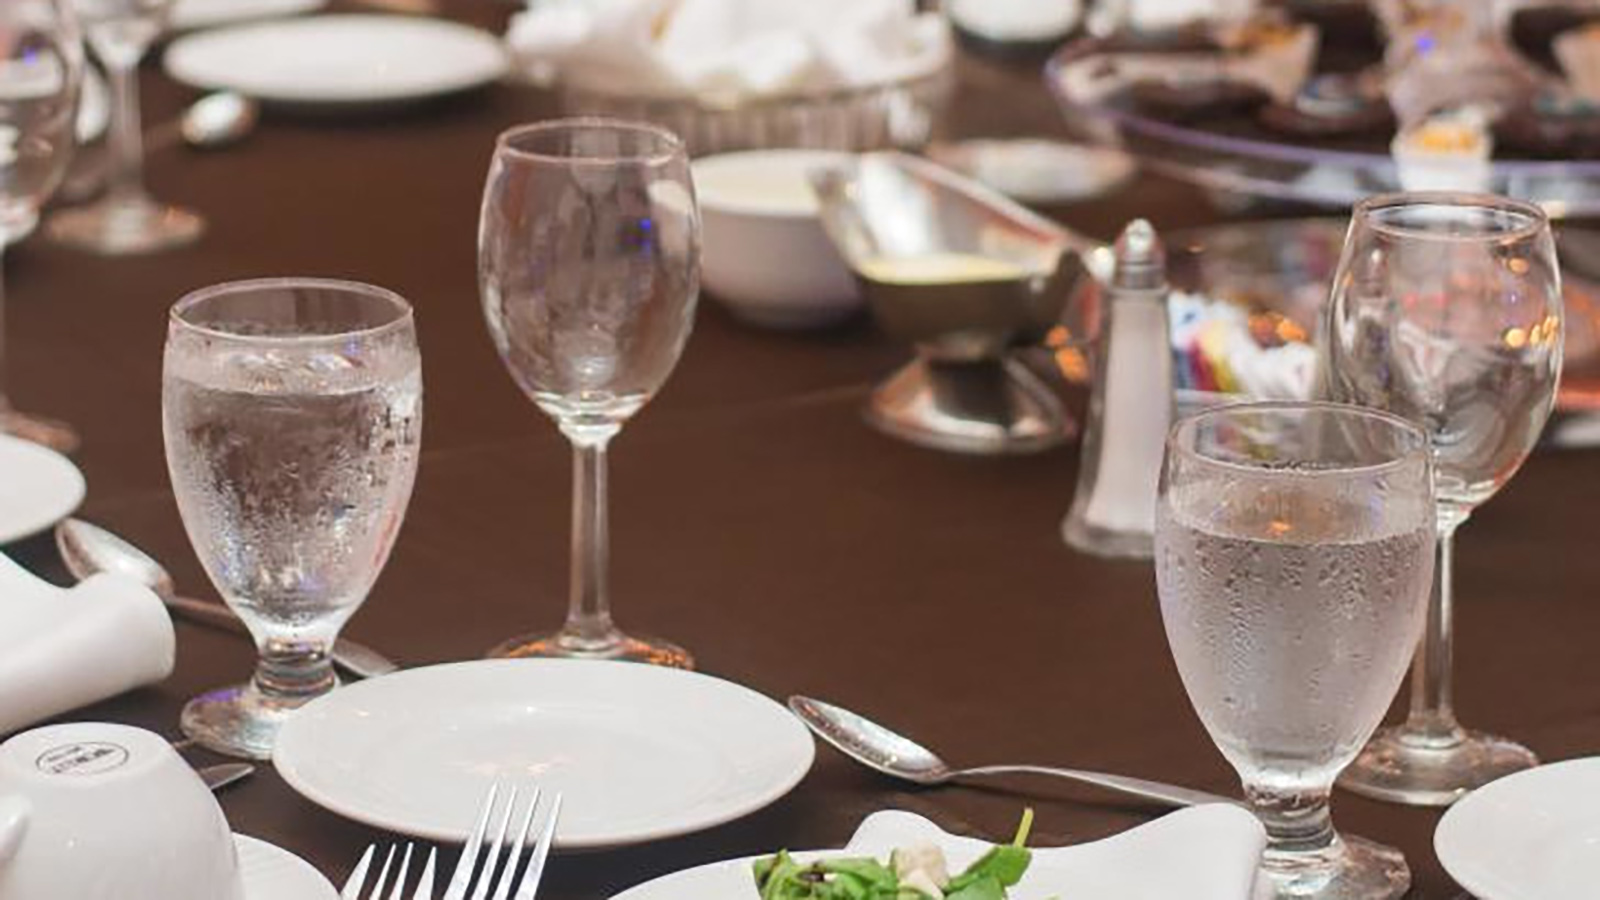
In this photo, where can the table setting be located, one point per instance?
(991, 530)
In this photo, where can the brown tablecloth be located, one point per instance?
(756, 519)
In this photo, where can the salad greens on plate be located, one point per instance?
(912, 873)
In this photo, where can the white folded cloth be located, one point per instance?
(62, 648)
(727, 51)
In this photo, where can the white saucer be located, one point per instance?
(339, 59)
(1200, 853)
(38, 488)
(188, 15)
(273, 873)
(1528, 836)
(639, 752)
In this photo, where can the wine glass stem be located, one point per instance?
(127, 141)
(589, 626)
(291, 672)
(1296, 821)
(1431, 720)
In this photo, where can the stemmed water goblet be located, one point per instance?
(589, 265)
(1447, 310)
(126, 219)
(41, 70)
(292, 412)
(1294, 548)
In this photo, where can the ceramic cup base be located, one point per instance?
(627, 648)
(1352, 868)
(58, 436)
(236, 721)
(1400, 769)
(122, 227)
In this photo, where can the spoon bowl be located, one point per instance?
(89, 549)
(219, 119)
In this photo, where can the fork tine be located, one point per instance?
(541, 851)
(502, 887)
(358, 877)
(383, 876)
(400, 879)
(485, 875)
(462, 875)
(425, 882)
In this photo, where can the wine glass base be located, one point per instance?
(1400, 768)
(1352, 868)
(122, 227)
(57, 435)
(625, 648)
(236, 721)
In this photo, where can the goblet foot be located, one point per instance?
(1403, 767)
(1350, 868)
(622, 647)
(58, 436)
(121, 226)
(238, 720)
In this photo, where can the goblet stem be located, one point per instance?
(127, 141)
(291, 672)
(1431, 722)
(1297, 822)
(589, 628)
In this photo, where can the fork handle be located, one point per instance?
(1166, 794)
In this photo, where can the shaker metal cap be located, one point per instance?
(1141, 260)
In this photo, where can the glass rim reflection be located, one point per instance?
(1420, 450)
(670, 146)
(402, 312)
(1529, 217)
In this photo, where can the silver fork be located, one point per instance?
(492, 875)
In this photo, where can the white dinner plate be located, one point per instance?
(188, 15)
(339, 60)
(1201, 853)
(638, 752)
(38, 488)
(1529, 836)
(273, 873)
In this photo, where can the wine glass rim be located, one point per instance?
(403, 318)
(1421, 449)
(672, 145)
(1531, 217)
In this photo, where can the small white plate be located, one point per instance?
(273, 873)
(38, 488)
(1201, 853)
(1034, 170)
(1528, 836)
(339, 60)
(639, 752)
(188, 15)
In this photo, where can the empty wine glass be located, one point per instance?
(41, 70)
(292, 411)
(125, 220)
(1294, 548)
(1447, 310)
(589, 267)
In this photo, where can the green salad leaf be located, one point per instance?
(781, 877)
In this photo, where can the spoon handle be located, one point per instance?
(357, 659)
(1168, 794)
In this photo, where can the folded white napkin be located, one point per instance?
(62, 648)
(726, 51)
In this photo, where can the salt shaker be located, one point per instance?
(1130, 409)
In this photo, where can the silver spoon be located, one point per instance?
(898, 756)
(215, 120)
(87, 549)
(220, 776)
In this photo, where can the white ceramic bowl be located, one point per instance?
(765, 254)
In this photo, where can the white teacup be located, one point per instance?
(94, 811)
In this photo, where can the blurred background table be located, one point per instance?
(757, 520)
